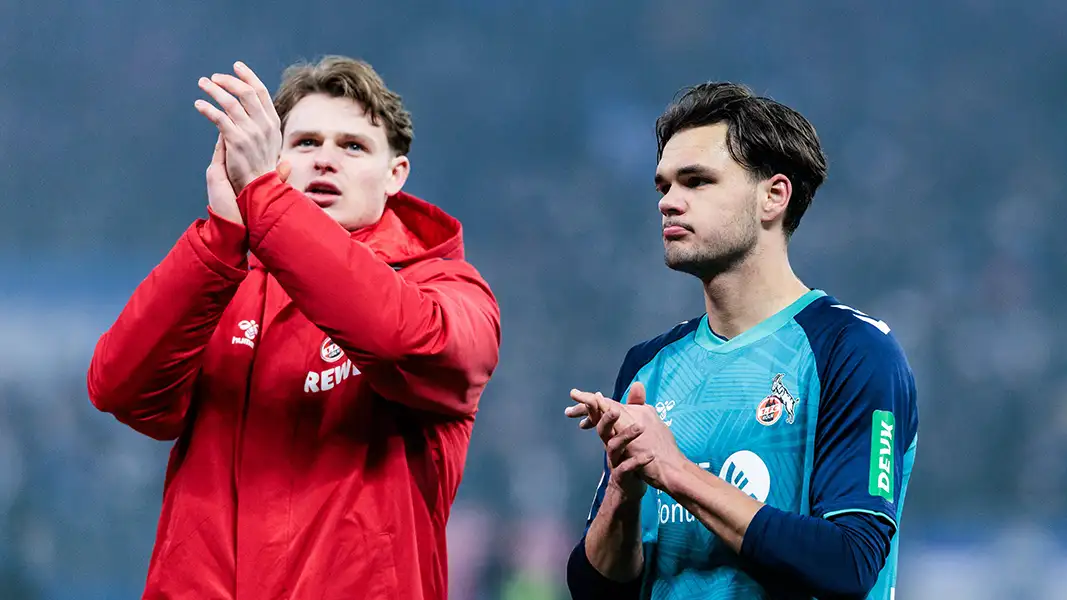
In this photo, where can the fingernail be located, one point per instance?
(239, 65)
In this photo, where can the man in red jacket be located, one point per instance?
(322, 392)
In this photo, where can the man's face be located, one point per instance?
(341, 160)
(709, 203)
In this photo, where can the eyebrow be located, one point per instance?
(685, 171)
(294, 134)
(361, 137)
(343, 134)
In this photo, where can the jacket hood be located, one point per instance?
(412, 230)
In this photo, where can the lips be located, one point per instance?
(324, 193)
(322, 187)
(673, 231)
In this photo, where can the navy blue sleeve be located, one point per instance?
(586, 583)
(864, 446)
(827, 559)
(868, 418)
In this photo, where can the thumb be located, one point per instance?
(637, 393)
(219, 157)
(284, 170)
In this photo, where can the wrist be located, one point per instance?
(226, 239)
(626, 494)
(676, 473)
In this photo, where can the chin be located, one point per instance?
(705, 265)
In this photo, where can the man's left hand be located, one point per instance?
(249, 126)
(638, 443)
(648, 446)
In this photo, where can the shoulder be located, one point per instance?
(840, 333)
(641, 354)
(861, 366)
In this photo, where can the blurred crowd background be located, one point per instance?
(943, 214)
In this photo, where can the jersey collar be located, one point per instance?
(708, 340)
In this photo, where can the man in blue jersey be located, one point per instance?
(762, 450)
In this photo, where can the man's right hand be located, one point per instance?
(220, 195)
(612, 422)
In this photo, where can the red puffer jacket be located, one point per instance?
(322, 398)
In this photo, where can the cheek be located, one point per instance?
(302, 167)
(368, 179)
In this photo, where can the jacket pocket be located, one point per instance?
(363, 570)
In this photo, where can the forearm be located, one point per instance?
(428, 338)
(613, 542)
(839, 558)
(801, 552)
(725, 510)
(143, 365)
(608, 561)
(358, 299)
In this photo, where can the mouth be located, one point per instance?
(674, 231)
(323, 193)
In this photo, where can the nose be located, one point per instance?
(325, 161)
(671, 204)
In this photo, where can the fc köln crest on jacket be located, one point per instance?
(327, 379)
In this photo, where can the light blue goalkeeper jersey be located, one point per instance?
(813, 411)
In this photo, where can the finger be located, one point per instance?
(284, 170)
(625, 437)
(586, 424)
(603, 401)
(578, 410)
(589, 400)
(218, 158)
(230, 104)
(616, 446)
(633, 464)
(606, 427)
(586, 398)
(637, 393)
(220, 119)
(248, 76)
(244, 93)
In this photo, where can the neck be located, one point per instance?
(757, 288)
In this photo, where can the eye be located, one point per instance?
(695, 182)
(355, 147)
(305, 143)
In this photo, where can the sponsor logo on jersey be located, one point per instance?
(769, 410)
(250, 329)
(330, 352)
(663, 409)
(881, 476)
(672, 512)
(746, 471)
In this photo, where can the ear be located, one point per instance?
(399, 167)
(774, 195)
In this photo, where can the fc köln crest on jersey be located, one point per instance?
(770, 408)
